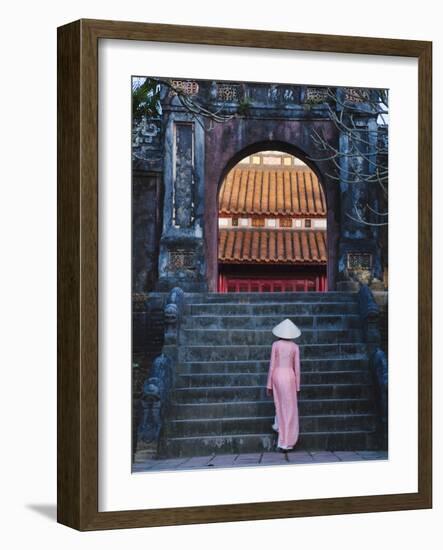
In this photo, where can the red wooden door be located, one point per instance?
(307, 283)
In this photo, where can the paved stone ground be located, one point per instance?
(144, 464)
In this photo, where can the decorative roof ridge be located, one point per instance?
(277, 167)
(308, 229)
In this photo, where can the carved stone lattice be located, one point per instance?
(181, 259)
(316, 95)
(356, 95)
(359, 261)
(228, 92)
(188, 87)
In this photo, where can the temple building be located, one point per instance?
(272, 226)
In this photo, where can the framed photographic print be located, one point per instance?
(244, 280)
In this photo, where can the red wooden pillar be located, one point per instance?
(222, 283)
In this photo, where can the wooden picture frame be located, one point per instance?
(78, 274)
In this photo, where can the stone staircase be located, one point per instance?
(219, 402)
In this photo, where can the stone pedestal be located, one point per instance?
(181, 264)
(348, 286)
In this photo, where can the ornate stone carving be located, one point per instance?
(173, 312)
(316, 95)
(359, 261)
(155, 400)
(181, 260)
(369, 314)
(228, 92)
(358, 267)
(144, 132)
(356, 95)
(280, 94)
(145, 138)
(156, 390)
(188, 87)
(183, 212)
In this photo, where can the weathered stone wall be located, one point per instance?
(381, 297)
(147, 215)
(147, 207)
(148, 329)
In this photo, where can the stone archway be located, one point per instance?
(215, 177)
(194, 155)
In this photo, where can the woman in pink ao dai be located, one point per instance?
(284, 382)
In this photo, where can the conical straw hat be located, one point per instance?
(287, 330)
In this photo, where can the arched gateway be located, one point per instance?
(180, 160)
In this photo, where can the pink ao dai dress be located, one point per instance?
(284, 381)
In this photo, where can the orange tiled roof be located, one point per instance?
(272, 245)
(293, 191)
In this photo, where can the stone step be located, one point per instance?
(181, 411)
(216, 321)
(257, 352)
(256, 443)
(254, 297)
(216, 379)
(239, 425)
(351, 362)
(250, 393)
(273, 308)
(219, 404)
(253, 337)
(262, 424)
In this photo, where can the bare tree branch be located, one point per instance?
(359, 219)
(365, 146)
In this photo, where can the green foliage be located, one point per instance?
(244, 106)
(146, 99)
